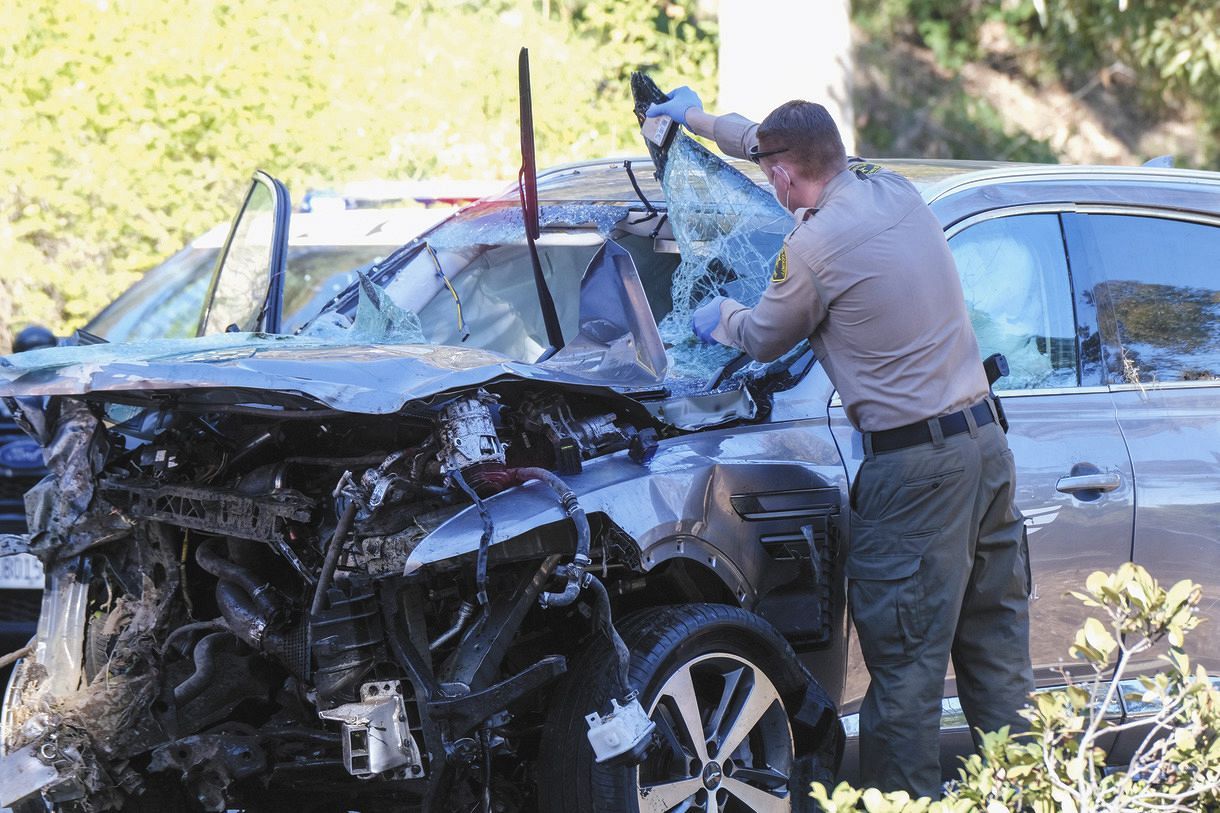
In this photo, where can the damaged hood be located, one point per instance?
(229, 368)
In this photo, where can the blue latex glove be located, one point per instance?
(705, 319)
(680, 100)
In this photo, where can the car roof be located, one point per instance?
(955, 188)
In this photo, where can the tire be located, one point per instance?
(736, 668)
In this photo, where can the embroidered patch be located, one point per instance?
(781, 267)
(863, 169)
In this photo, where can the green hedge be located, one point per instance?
(130, 126)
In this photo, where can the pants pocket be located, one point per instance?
(886, 597)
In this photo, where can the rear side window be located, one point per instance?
(1018, 294)
(1159, 301)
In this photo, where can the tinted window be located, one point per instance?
(1160, 301)
(1015, 279)
(317, 274)
(165, 303)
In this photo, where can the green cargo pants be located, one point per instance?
(938, 567)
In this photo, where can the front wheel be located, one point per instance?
(720, 684)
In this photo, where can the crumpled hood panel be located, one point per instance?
(370, 379)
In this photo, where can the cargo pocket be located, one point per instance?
(886, 599)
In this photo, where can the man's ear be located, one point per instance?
(779, 171)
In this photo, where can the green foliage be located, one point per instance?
(1171, 46)
(934, 117)
(1058, 765)
(130, 126)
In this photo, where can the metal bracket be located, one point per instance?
(376, 736)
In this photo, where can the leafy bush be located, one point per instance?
(1171, 48)
(1058, 765)
(131, 126)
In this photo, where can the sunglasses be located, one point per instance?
(757, 155)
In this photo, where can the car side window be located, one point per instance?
(1159, 297)
(1018, 293)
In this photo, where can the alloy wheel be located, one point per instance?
(726, 746)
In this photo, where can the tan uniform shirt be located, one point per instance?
(867, 276)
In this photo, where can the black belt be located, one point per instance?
(913, 434)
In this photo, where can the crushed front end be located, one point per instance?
(227, 620)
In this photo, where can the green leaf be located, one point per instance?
(1098, 637)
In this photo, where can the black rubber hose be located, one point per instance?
(215, 625)
(605, 620)
(567, 497)
(205, 668)
(571, 507)
(332, 558)
(260, 591)
(240, 614)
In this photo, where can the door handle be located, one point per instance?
(1088, 482)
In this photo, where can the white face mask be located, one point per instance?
(775, 174)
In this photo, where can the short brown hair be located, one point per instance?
(809, 133)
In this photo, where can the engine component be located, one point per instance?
(621, 737)
(468, 434)
(565, 440)
(268, 601)
(463, 615)
(205, 667)
(376, 737)
(345, 640)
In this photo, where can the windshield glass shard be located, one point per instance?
(729, 232)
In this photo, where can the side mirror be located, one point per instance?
(247, 288)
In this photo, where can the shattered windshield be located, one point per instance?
(470, 284)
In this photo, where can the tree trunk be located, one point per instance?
(775, 50)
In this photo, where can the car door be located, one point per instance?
(1074, 482)
(1157, 284)
(247, 287)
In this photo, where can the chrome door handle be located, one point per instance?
(1088, 482)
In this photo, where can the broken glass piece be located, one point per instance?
(729, 232)
(377, 320)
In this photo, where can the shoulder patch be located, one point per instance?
(863, 169)
(780, 274)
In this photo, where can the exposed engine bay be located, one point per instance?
(242, 578)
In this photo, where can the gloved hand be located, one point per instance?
(705, 319)
(680, 100)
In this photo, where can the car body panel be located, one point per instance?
(1171, 432)
(366, 378)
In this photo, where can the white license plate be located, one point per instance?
(20, 572)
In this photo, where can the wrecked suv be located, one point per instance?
(495, 532)
(402, 556)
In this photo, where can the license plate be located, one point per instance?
(20, 572)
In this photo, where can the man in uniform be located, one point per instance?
(938, 563)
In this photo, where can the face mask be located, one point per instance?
(775, 175)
